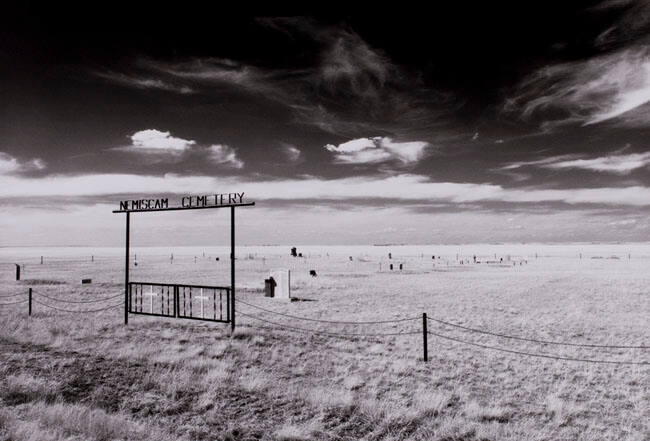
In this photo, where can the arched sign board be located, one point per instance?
(176, 300)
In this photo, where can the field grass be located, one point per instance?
(88, 377)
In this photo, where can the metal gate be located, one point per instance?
(194, 302)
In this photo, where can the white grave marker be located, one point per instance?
(282, 279)
(202, 298)
(151, 295)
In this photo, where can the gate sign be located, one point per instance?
(205, 201)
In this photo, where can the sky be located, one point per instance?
(456, 124)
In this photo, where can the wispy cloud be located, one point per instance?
(349, 89)
(11, 165)
(378, 149)
(291, 152)
(620, 164)
(223, 154)
(403, 187)
(142, 81)
(614, 86)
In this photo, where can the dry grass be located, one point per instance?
(69, 377)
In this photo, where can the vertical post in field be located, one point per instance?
(17, 271)
(232, 268)
(126, 270)
(30, 301)
(424, 336)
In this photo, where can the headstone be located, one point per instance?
(350, 258)
(390, 256)
(391, 267)
(312, 273)
(282, 278)
(299, 254)
(294, 252)
(269, 287)
(400, 267)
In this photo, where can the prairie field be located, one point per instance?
(290, 372)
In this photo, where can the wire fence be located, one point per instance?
(402, 323)
(533, 340)
(32, 298)
(425, 332)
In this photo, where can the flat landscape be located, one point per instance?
(290, 373)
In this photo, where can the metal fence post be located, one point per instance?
(424, 336)
(30, 301)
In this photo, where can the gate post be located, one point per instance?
(232, 268)
(126, 271)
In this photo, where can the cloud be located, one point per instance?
(138, 81)
(620, 164)
(349, 88)
(632, 22)
(403, 187)
(378, 149)
(614, 86)
(161, 146)
(11, 165)
(223, 154)
(152, 139)
(292, 153)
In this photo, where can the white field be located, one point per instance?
(71, 376)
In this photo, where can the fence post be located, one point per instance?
(424, 336)
(17, 271)
(30, 301)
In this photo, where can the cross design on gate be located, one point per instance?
(151, 295)
(202, 298)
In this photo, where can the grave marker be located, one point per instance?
(282, 278)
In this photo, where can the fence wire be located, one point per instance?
(54, 299)
(377, 322)
(317, 331)
(77, 311)
(532, 354)
(533, 340)
(14, 303)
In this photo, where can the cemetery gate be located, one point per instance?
(216, 303)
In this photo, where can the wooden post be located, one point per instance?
(232, 268)
(17, 271)
(424, 336)
(30, 301)
(126, 270)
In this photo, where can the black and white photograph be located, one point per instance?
(386, 224)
